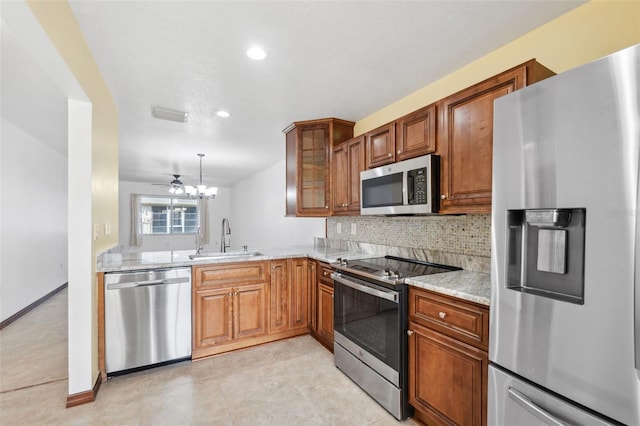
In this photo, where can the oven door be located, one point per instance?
(367, 324)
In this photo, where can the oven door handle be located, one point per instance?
(391, 295)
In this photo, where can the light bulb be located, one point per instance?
(256, 53)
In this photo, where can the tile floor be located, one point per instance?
(291, 382)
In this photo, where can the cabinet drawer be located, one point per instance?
(454, 317)
(225, 274)
(324, 274)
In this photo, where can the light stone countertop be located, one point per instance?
(119, 262)
(467, 285)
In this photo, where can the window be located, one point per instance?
(168, 215)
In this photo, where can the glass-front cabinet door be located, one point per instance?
(309, 144)
(313, 162)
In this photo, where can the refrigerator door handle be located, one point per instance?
(636, 279)
(537, 411)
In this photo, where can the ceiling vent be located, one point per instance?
(169, 114)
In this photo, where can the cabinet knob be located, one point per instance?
(389, 155)
(326, 207)
(443, 197)
(409, 332)
(231, 294)
(442, 315)
(399, 152)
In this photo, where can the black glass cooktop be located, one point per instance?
(393, 268)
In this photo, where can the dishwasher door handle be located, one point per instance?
(119, 286)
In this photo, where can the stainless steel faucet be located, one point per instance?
(198, 243)
(226, 230)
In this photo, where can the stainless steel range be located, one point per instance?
(370, 325)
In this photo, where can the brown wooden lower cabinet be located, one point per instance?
(325, 313)
(448, 377)
(279, 288)
(321, 320)
(298, 293)
(312, 293)
(227, 316)
(249, 311)
(237, 305)
(214, 323)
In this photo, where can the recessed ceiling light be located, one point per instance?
(169, 114)
(256, 53)
(223, 114)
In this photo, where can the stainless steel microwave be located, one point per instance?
(402, 188)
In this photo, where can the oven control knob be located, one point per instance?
(386, 273)
(339, 261)
(396, 274)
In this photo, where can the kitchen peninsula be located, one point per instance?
(241, 300)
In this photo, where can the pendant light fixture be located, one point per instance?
(201, 191)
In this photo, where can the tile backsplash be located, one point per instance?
(467, 235)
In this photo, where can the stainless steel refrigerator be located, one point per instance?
(565, 270)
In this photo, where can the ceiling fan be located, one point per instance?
(176, 185)
(199, 191)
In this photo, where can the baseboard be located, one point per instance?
(84, 397)
(32, 306)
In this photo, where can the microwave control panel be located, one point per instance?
(417, 180)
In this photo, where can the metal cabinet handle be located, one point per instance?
(388, 295)
(409, 332)
(537, 411)
(165, 281)
(442, 315)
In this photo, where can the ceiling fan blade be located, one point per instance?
(175, 183)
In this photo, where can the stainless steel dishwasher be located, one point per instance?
(147, 318)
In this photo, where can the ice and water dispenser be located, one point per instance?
(545, 252)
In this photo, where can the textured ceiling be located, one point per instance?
(343, 59)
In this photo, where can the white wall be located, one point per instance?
(219, 208)
(258, 213)
(33, 219)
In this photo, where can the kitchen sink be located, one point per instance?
(225, 255)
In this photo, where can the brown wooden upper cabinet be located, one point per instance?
(309, 144)
(416, 133)
(465, 138)
(346, 164)
(407, 137)
(381, 146)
